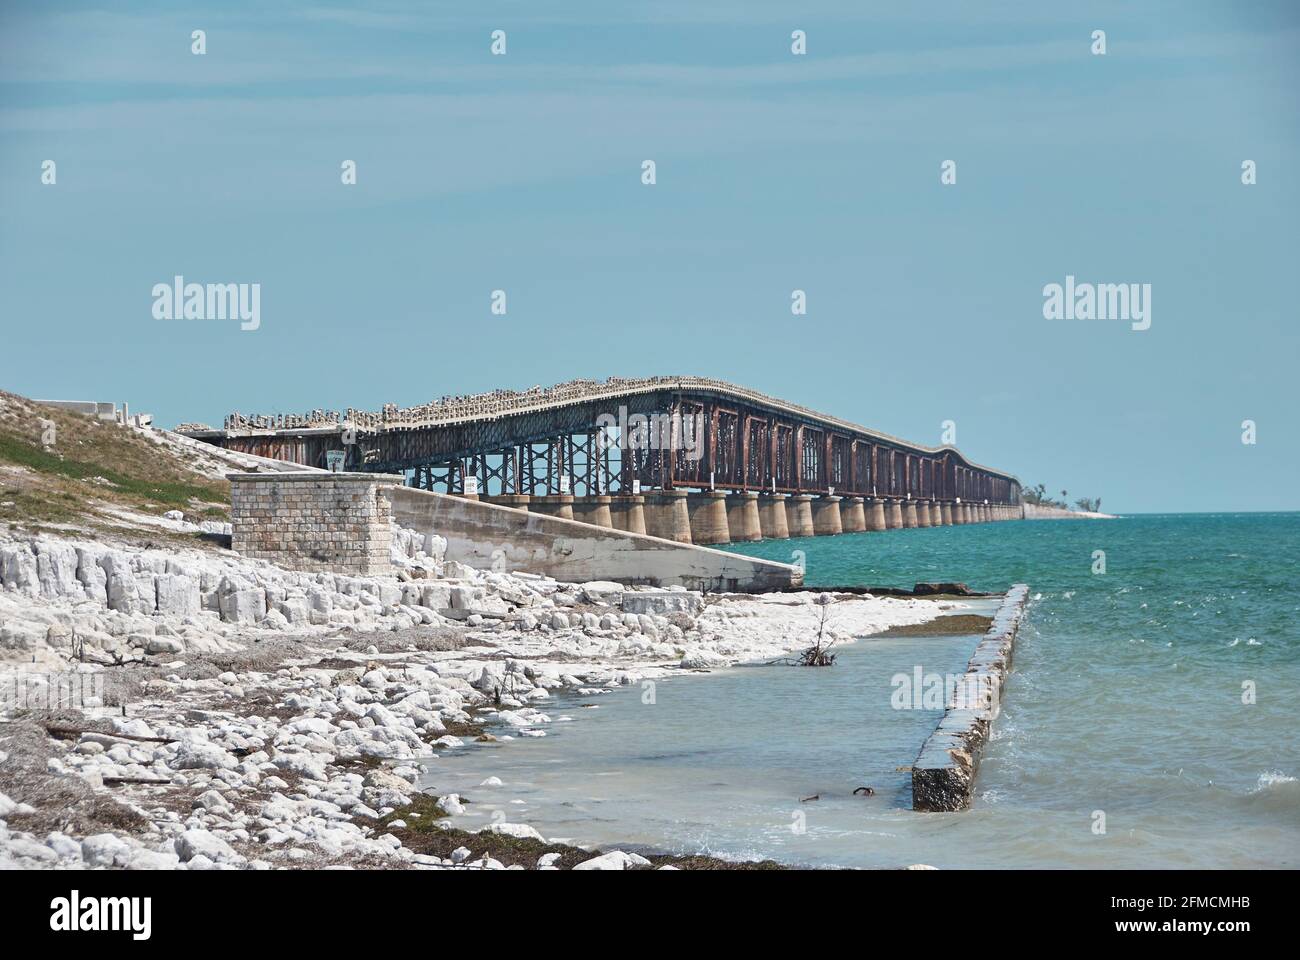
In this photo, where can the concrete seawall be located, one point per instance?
(489, 536)
(943, 776)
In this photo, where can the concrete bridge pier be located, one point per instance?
(553, 505)
(628, 513)
(922, 514)
(772, 518)
(909, 514)
(708, 517)
(742, 517)
(945, 511)
(895, 515)
(666, 516)
(798, 515)
(827, 521)
(594, 510)
(876, 515)
(853, 518)
(936, 517)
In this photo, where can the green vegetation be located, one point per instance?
(58, 467)
(1038, 496)
(424, 834)
(420, 817)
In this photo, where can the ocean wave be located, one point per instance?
(1275, 793)
(1272, 779)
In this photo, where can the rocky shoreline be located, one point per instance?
(230, 714)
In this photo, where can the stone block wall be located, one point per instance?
(337, 522)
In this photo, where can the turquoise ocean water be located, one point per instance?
(1125, 710)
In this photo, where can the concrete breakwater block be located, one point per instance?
(943, 776)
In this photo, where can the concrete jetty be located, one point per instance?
(943, 776)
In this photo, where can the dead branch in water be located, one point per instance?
(818, 655)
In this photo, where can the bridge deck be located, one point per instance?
(559, 438)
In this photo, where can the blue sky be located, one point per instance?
(775, 173)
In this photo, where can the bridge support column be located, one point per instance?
(909, 514)
(875, 511)
(516, 501)
(894, 516)
(853, 517)
(708, 512)
(922, 514)
(742, 517)
(594, 510)
(984, 513)
(798, 515)
(936, 518)
(827, 521)
(771, 517)
(553, 505)
(628, 513)
(945, 512)
(666, 516)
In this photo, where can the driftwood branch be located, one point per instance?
(67, 733)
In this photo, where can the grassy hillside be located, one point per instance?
(90, 469)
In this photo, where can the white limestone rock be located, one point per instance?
(614, 860)
(519, 830)
(177, 596)
(202, 843)
(662, 601)
(240, 603)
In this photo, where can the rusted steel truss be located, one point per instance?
(695, 442)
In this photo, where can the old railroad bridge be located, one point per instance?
(689, 459)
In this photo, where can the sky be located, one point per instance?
(774, 172)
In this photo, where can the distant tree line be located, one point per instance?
(1038, 495)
